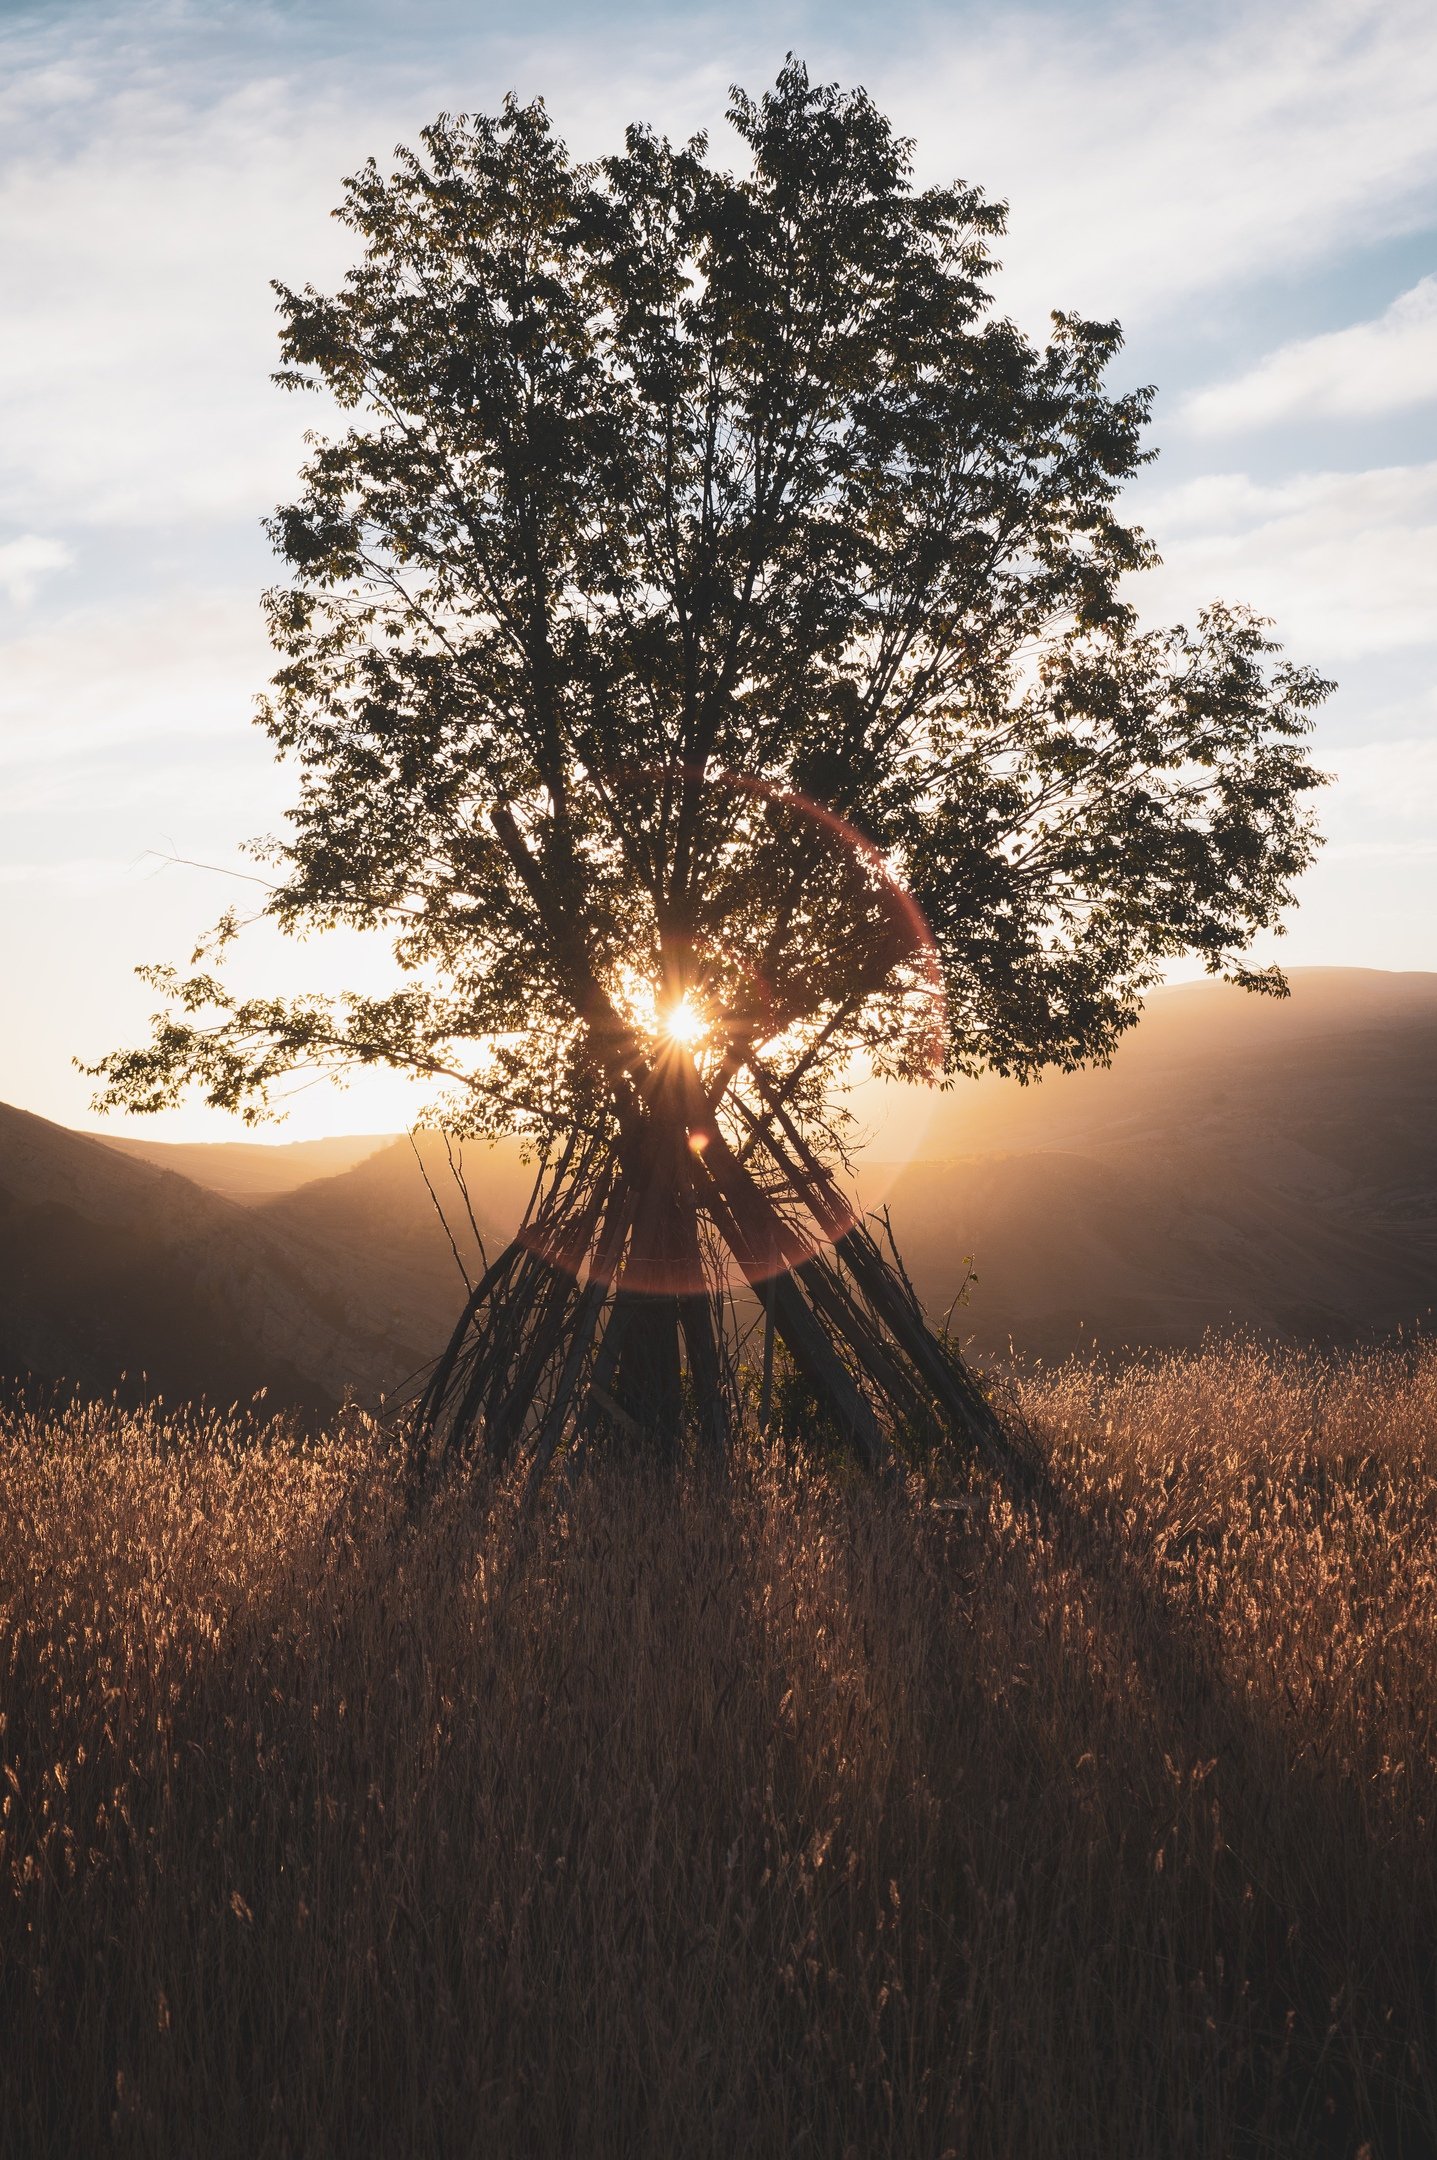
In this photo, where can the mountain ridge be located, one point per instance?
(119, 1275)
(251, 1171)
(1242, 1163)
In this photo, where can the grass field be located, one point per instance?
(789, 1818)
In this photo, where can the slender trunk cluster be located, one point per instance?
(613, 1308)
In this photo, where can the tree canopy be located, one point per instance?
(706, 647)
(704, 595)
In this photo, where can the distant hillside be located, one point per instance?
(1244, 1161)
(112, 1271)
(251, 1171)
(385, 1205)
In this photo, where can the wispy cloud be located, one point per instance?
(1369, 368)
(1391, 785)
(136, 372)
(1153, 155)
(1345, 562)
(160, 168)
(23, 562)
(177, 667)
(83, 874)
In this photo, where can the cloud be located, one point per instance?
(136, 374)
(25, 561)
(83, 874)
(120, 675)
(1152, 155)
(1346, 563)
(151, 186)
(125, 727)
(160, 167)
(1367, 369)
(1388, 787)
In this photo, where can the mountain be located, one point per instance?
(429, 1209)
(115, 1274)
(1245, 1161)
(251, 1171)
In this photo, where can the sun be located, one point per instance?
(685, 1024)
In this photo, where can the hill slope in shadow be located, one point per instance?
(250, 1171)
(115, 1274)
(428, 1210)
(1244, 1161)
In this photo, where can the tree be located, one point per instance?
(706, 647)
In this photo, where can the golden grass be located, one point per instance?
(796, 1818)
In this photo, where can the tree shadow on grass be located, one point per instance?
(1284, 1882)
(790, 1816)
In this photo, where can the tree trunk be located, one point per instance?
(608, 1308)
(612, 1310)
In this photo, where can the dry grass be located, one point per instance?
(797, 1818)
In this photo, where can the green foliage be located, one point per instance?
(665, 504)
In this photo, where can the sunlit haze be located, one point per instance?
(1252, 192)
(685, 1023)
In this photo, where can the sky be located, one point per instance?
(1251, 190)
